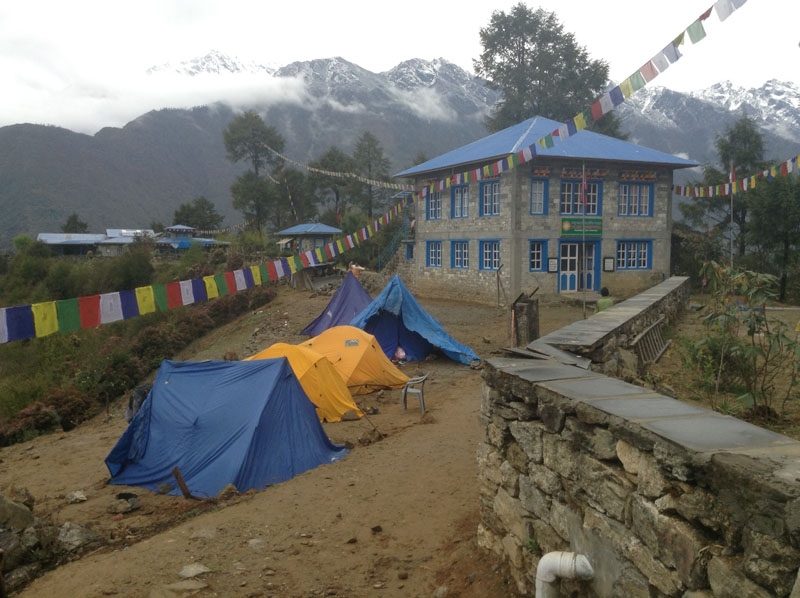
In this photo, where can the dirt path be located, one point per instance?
(396, 517)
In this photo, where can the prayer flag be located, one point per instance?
(238, 276)
(724, 9)
(272, 271)
(255, 275)
(129, 304)
(160, 296)
(230, 282)
(145, 299)
(660, 62)
(222, 284)
(279, 269)
(671, 52)
(696, 31)
(212, 291)
(626, 88)
(187, 292)
(648, 71)
(616, 96)
(175, 294)
(69, 317)
(3, 326)
(89, 308)
(199, 290)
(110, 308)
(249, 280)
(606, 103)
(19, 323)
(45, 318)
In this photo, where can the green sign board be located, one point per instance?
(578, 226)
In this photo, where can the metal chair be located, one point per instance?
(414, 386)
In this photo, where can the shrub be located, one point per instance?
(72, 406)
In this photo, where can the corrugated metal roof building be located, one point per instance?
(586, 212)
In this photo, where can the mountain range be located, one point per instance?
(131, 176)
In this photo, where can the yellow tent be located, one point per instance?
(358, 358)
(318, 377)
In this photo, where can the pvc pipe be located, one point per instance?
(555, 565)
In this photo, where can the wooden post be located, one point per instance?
(524, 320)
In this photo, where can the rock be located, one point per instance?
(193, 570)
(75, 538)
(440, 592)
(14, 515)
(124, 505)
(165, 488)
(23, 496)
(76, 497)
(228, 492)
(350, 416)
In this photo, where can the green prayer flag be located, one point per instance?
(222, 284)
(69, 315)
(160, 295)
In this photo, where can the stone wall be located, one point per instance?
(664, 498)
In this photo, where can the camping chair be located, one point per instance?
(414, 386)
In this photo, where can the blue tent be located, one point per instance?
(246, 423)
(395, 318)
(347, 302)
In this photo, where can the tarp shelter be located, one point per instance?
(246, 423)
(358, 358)
(322, 383)
(395, 318)
(347, 302)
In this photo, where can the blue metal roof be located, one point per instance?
(310, 228)
(582, 145)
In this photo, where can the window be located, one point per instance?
(434, 254)
(434, 206)
(490, 198)
(459, 255)
(635, 199)
(490, 255)
(634, 255)
(409, 251)
(537, 255)
(459, 201)
(539, 189)
(571, 198)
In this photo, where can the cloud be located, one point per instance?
(427, 104)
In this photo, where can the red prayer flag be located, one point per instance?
(174, 298)
(89, 310)
(230, 280)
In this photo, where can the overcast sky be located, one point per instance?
(82, 64)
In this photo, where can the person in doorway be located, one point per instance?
(604, 302)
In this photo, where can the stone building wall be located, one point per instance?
(665, 498)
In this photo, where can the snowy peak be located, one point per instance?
(213, 63)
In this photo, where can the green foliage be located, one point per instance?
(199, 213)
(745, 345)
(74, 225)
(370, 162)
(255, 198)
(335, 192)
(539, 67)
(247, 137)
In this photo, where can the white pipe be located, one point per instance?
(555, 565)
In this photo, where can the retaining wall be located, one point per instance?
(665, 498)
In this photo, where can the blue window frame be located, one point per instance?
(571, 197)
(635, 199)
(433, 206)
(634, 254)
(459, 254)
(489, 198)
(540, 190)
(433, 254)
(409, 251)
(490, 254)
(459, 201)
(537, 255)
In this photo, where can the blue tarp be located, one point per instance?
(395, 318)
(347, 302)
(246, 423)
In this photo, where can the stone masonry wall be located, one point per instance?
(666, 499)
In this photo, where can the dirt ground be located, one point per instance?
(397, 517)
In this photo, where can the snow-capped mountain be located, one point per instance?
(167, 157)
(213, 63)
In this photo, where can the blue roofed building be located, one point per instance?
(307, 237)
(589, 211)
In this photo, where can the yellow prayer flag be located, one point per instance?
(626, 88)
(211, 287)
(146, 300)
(292, 265)
(45, 318)
(340, 245)
(580, 122)
(256, 272)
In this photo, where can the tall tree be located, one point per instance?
(294, 199)
(255, 198)
(74, 225)
(774, 228)
(248, 137)
(539, 68)
(372, 164)
(329, 188)
(199, 213)
(741, 151)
